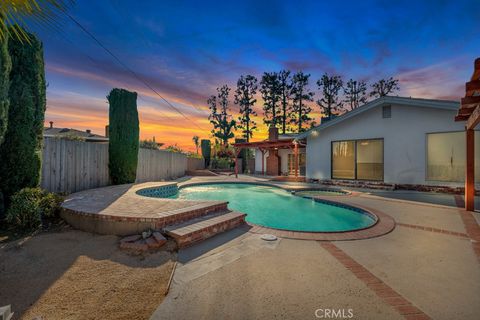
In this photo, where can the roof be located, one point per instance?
(471, 102)
(69, 132)
(387, 100)
(284, 143)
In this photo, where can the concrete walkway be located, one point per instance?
(425, 268)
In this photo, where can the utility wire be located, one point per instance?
(130, 70)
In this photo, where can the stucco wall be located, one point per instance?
(283, 153)
(404, 137)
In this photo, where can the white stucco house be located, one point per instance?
(394, 140)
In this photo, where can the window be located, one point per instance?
(386, 112)
(446, 156)
(357, 159)
(370, 159)
(343, 159)
(301, 163)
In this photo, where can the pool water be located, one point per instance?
(277, 208)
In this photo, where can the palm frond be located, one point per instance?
(16, 13)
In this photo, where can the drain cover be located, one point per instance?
(268, 237)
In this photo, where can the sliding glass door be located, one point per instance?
(357, 159)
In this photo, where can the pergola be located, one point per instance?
(470, 112)
(266, 145)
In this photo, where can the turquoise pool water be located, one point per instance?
(277, 208)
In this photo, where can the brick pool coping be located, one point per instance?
(385, 224)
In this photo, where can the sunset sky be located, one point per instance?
(186, 49)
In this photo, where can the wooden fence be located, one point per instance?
(71, 166)
(195, 164)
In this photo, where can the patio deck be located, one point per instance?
(428, 267)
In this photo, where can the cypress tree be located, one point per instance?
(20, 153)
(5, 67)
(206, 151)
(123, 136)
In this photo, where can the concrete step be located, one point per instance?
(177, 216)
(199, 229)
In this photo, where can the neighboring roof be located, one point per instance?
(69, 132)
(387, 100)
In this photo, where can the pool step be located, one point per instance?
(199, 229)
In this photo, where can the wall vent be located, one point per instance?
(387, 112)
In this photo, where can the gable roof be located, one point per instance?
(387, 100)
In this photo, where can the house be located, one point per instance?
(393, 140)
(73, 134)
(276, 156)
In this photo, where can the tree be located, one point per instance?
(300, 112)
(20, 153)
(330, 103)
(270, 89)
(384, 87)
(222, 121)
(14, 13)
(285, 83)
(245, 98)
(355, 93)
(123, 136)
(195, 140)
(5, 67)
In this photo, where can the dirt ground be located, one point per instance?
(76, 275)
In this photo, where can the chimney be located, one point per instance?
(51, 124)
(89, 131)
(273, 134)
(106, 130)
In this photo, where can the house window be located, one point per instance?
(301, 163)
(357, 159)
(387, 112)
(446, 156)
(343, 159)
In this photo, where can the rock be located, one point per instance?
(159, 238)
(130, 238)
(152, 243)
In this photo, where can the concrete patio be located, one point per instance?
(427, 267)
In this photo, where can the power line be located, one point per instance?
(130, 70)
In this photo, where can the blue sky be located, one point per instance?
(185, 49)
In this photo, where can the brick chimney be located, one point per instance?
(51, 124)
(273, 134)
(106, 130)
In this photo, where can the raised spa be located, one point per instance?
(277, 208)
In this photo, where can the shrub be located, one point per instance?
(20, 153)
(150, 144)
(206, 150)
(5, 66)
(30, 206)
(123, 136)
(222, 163)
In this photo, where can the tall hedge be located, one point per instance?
(206, 151)
(123, 136)
(5, 67)
(20, 153)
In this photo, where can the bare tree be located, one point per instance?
(384, 87)
(355, 93)
(270, 89)
(300, 112)
(330, 103)
(245, 98)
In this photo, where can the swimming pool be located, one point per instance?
(278, 209)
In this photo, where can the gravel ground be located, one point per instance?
(77, 275)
